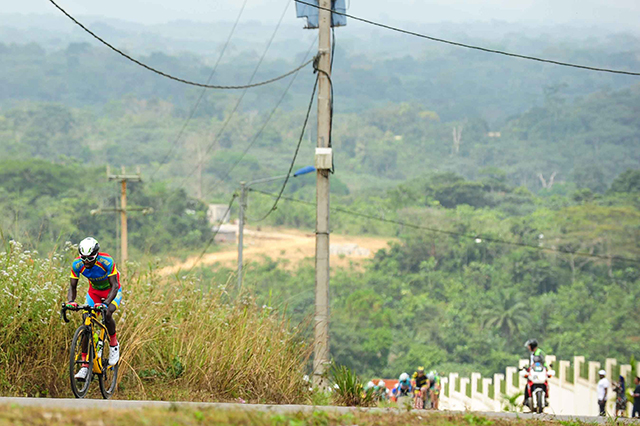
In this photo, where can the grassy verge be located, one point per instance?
(180, 338)
(29, 416)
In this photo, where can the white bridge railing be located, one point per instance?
(571, 392)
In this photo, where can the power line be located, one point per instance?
(202, 93)
(264, 125)
(469, 46)
(453, 233)
(295, 155)
(169, 76)
(244, 92)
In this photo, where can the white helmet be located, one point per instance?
(382, 384)
(404, 377)
(88, 249)
(431, 375)
(370, 385)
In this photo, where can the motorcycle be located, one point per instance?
(537, 377)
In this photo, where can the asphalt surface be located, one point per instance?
(68, 403)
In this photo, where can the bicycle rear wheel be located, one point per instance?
(108, 379)
(418, 402)
(80, 387)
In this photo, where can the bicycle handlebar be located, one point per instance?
(65, 308)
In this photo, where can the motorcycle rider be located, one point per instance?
(536, 356)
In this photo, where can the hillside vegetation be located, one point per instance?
(467, 291)
(528, 217)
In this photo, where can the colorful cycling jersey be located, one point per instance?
(98, 275)
(404, 388)
(435, 381)
(420, 380)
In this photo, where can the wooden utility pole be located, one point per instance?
(124, 178)
(323, 166)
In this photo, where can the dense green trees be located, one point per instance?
(44, 204)
(465, 303)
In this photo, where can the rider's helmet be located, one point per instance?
(404, 379)
(420, 370)
(431, 376)
(88, 250)
(531, 344)
(382, 385)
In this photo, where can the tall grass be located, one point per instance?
(180, 339)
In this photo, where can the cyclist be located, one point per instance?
(404, 385)
(536, 356)
(421, 383)
(104, 291)
(434, 388)
(382, 391)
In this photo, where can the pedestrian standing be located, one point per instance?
(636, 398)
(602, 391)
(621, 397)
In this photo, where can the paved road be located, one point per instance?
(68, 403)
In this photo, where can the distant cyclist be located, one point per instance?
(422, 383)
(404, 387)
(382, 391)
(104, 290)
(434, 388)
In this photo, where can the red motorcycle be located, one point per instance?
(537, 376)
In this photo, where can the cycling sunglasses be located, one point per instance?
(89, 259)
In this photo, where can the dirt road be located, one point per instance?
(292, 245)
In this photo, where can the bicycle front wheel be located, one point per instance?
(80, 344)
(108, 379)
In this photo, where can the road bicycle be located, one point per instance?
(90, 339)
(418, 401)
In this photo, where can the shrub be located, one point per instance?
(349, 390)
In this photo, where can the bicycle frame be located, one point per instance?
(91, 320)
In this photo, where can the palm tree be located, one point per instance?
(507, 313)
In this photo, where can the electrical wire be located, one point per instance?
(237, 105)
(213, 237)
(452, 233)
(202, 93)
(169, 76)
(264, 125)
(295, 155)
(469, 46)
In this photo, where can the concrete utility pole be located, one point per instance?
(323, 166)
(123, 178)
(243, 206)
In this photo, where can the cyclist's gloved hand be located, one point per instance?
(72, 305)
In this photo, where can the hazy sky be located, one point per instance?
(614, 14)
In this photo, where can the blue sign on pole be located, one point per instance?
(311, 13)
